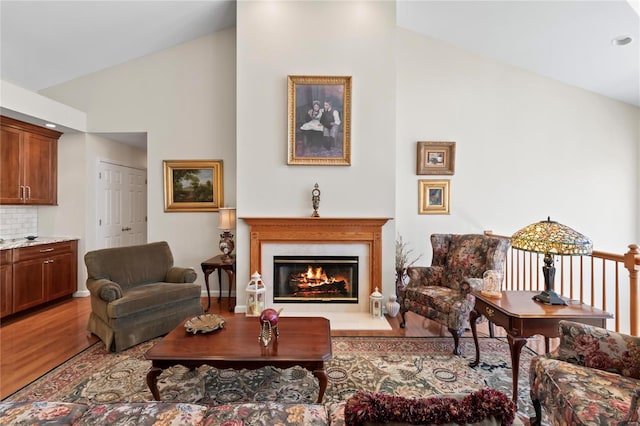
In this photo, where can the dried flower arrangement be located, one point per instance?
(402, 255)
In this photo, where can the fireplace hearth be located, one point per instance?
(315, 279)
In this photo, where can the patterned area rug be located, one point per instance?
(413, 367)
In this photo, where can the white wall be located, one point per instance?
(184, 98)
(527, 147)
(347, 38)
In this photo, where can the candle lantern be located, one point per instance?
(256, 295)
(376, 304)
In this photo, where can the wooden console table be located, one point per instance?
(521, 317)
(210, 265)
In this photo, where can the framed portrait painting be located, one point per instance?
(193, 185)
(433, 196)
(436, 158)
(319, 120)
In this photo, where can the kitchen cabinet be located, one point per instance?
(28, 163)
(6, 283)
(42, 273)
(28, 284)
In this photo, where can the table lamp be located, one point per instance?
(551, 238)
(227, 222)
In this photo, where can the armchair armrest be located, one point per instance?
(177, 274)
(598, 348)
(105, 289)
(425, 276)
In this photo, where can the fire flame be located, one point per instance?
(317, 274)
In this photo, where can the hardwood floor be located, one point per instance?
(36, 342)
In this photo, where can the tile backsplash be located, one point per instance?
(18, 221)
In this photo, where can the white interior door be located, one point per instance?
(122, 205)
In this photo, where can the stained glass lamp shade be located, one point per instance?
(551, 238)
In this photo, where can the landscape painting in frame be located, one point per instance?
(193, 185)
(319, 120)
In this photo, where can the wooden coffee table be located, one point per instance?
(522, 317)
(303, 341)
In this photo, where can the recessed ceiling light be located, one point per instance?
(621, 41)
(50, 125)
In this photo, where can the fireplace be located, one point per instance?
(313, 237)
(315, 279)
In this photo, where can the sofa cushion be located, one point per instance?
(579, 395)
(142, 297)
(443, 304)
(268, 414)
(145, 413)
(40, 413)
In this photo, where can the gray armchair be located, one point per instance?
(137, 294)
(442, 291)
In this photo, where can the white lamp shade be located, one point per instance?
(227, 218)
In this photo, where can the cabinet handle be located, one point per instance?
(46, 250)
(29, 191)
(21, 192)
(126, 229)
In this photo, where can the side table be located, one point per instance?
(210, 265)
(522, 317)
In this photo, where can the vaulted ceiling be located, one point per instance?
(44, 43)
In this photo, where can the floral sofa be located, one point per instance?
(593, 378)
(486, 407)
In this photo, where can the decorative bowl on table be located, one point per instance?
(204, 323)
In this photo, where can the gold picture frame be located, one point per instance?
(433, 196)
(319, 120)
(193, 185)
(436, 158)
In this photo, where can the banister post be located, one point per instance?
(632, 263)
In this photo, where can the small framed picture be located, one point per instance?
(319, 120)
(436, 158)
(433, 196)
(193, 185)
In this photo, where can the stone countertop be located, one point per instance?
(23, 242)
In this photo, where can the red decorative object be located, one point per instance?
(270, 315)
(268, 325)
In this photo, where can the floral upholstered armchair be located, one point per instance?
(442, 291)
(592, 378)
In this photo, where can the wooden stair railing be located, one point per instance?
(598, 280)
